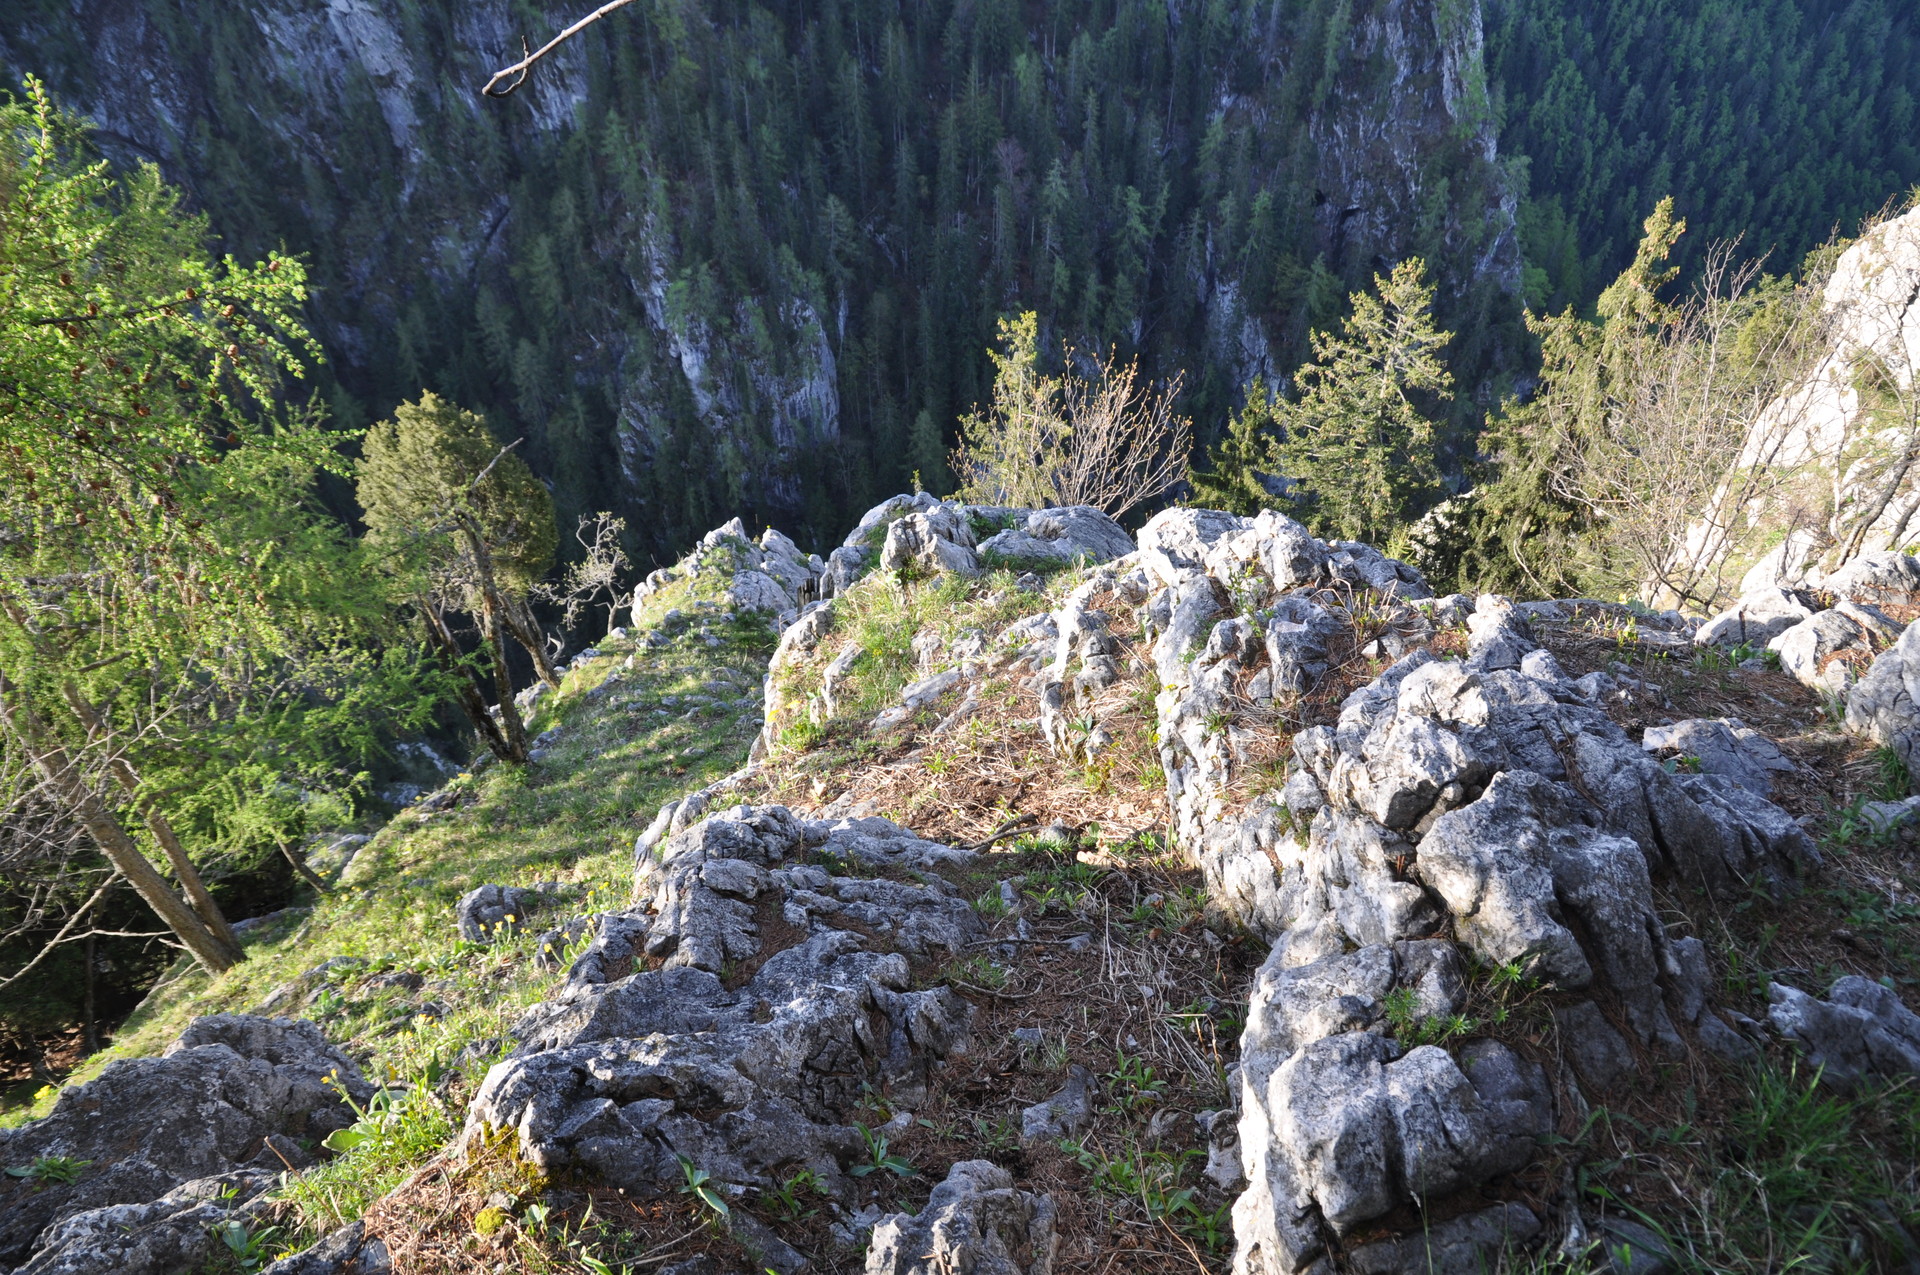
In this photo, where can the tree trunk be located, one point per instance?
(63, 779)
(183, 870)
(510, 723)
(494, 618)
(311, 877)
(472, 702)
(89, 1029)
(527, 632)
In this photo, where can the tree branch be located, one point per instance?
(519, 70)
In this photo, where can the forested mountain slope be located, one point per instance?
(1776, 121)
(724, 257)
(727, 257)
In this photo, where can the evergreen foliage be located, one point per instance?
(1357, 442)
(433, 457)
(1090, 434)
(465, 526)
(186, 643)
(1769, 121)
(755, 219)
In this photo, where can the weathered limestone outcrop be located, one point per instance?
(1490, 799)
(1860, 1030)
(769, 576)
(772, 981)
(975, 1222)
(1831, 449)
(1884, 705)
(925, 536)
(161, 1141)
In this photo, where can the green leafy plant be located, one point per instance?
(1413, 1029)
(50, 1170)
(879, 1157)
(790, 1200)
(1133, 1082)
(991, 904)
(697, 1182)
(250, 1248)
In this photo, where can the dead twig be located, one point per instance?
(519, 70)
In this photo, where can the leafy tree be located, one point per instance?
(468, 528)
(1358, 440)
(170, 605)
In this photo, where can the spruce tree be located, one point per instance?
(1358, 440)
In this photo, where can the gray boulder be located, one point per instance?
(1882, 704)
(488, 913)
(975, 1223)
(936, 542)
(1807, 649)
(1064, 1114)
(1757, 618)
(1722, 746)
(176, 1232)
(775, 994)
(1862, 1029)
(1471, 1244)
(346, 1251)
(1074, 533)
(1879, 576)
(148, 1127)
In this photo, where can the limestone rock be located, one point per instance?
(346, 1251)
(1882, 704)
(1074, 533)
(975, 1223)
(1861, 1029)
(1065, 1113)
(1722, 746)
(1879, 576)
(172, 1233)
(1757, 618)
(935, 542)
(490, 912)
(151, 1125)
(746, 1057)
(1807, 649)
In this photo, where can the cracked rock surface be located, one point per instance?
(975, 1222)
(1464, 814)
(776, 986)
(163, 1137)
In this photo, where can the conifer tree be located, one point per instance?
(172, 610)
(1358, 440)
(468, 528)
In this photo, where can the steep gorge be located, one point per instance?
(720, 258)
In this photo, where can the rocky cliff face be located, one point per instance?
(686, 283)
(1837, 451)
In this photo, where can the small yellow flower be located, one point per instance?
(509, 918)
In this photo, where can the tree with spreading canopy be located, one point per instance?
(466, 527)
(184, 640)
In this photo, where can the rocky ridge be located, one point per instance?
(1455, 870)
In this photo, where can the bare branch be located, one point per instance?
(519, 70)
(78, 914)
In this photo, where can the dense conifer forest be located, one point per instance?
(749, 257)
